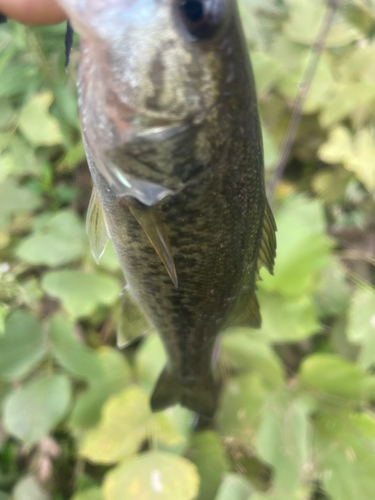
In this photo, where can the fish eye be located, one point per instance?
(202, 18)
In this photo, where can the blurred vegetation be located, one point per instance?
(296, 420)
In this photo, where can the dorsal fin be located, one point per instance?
(150, 222)
(250, 313)
(96, 228)
(267, 248)
(247, 312)
(132, 322)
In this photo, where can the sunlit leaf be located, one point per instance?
(115, 377)
(35, 122)
(123, 427)
(89, 494)
(151, 476)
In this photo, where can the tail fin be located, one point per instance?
(198, 395)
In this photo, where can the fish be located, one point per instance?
(170, 124)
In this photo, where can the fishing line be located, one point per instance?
(304, 88)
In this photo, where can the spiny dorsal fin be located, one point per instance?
(96, 228)
(267, 249)
(132, 322)
(150, 222)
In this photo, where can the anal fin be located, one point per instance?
(96, 228)
(150, 222)
(132, 322)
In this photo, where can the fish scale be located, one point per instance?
(177, 166)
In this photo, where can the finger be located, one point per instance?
(33, 11)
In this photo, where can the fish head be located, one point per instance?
(150, 84)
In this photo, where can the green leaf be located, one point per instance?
(207, 452)
(3, 496)
(28, 488)
(302, 248)
(122, 429)
(116, 376)
(361, 325)
(89, 494)
(332, 294)
(36, 408)
(287, 320)
(55, 241)
(346, 99)
(14, 200)
(37, 125)
(344, 447)
(239, 410)
(245, 350)
(126, 422)
(150, 361)
(152, 476)
(22, 347)
(81, 293)
(72, 354)
(356, 153)
(235, 487)
(267, 71)
(282, 441)
(327, 373)
(363, 158)
(109, 258)
(338, 147)
(305, 21)
(280, 496)
(4, 309)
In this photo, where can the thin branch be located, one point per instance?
(316, 52)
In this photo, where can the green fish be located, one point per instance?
(170, 123)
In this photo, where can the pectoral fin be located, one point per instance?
(96, 228)
(150, 222)
(132, 322)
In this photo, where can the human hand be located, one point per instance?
(33, 11)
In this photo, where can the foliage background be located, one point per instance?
(296, 420)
